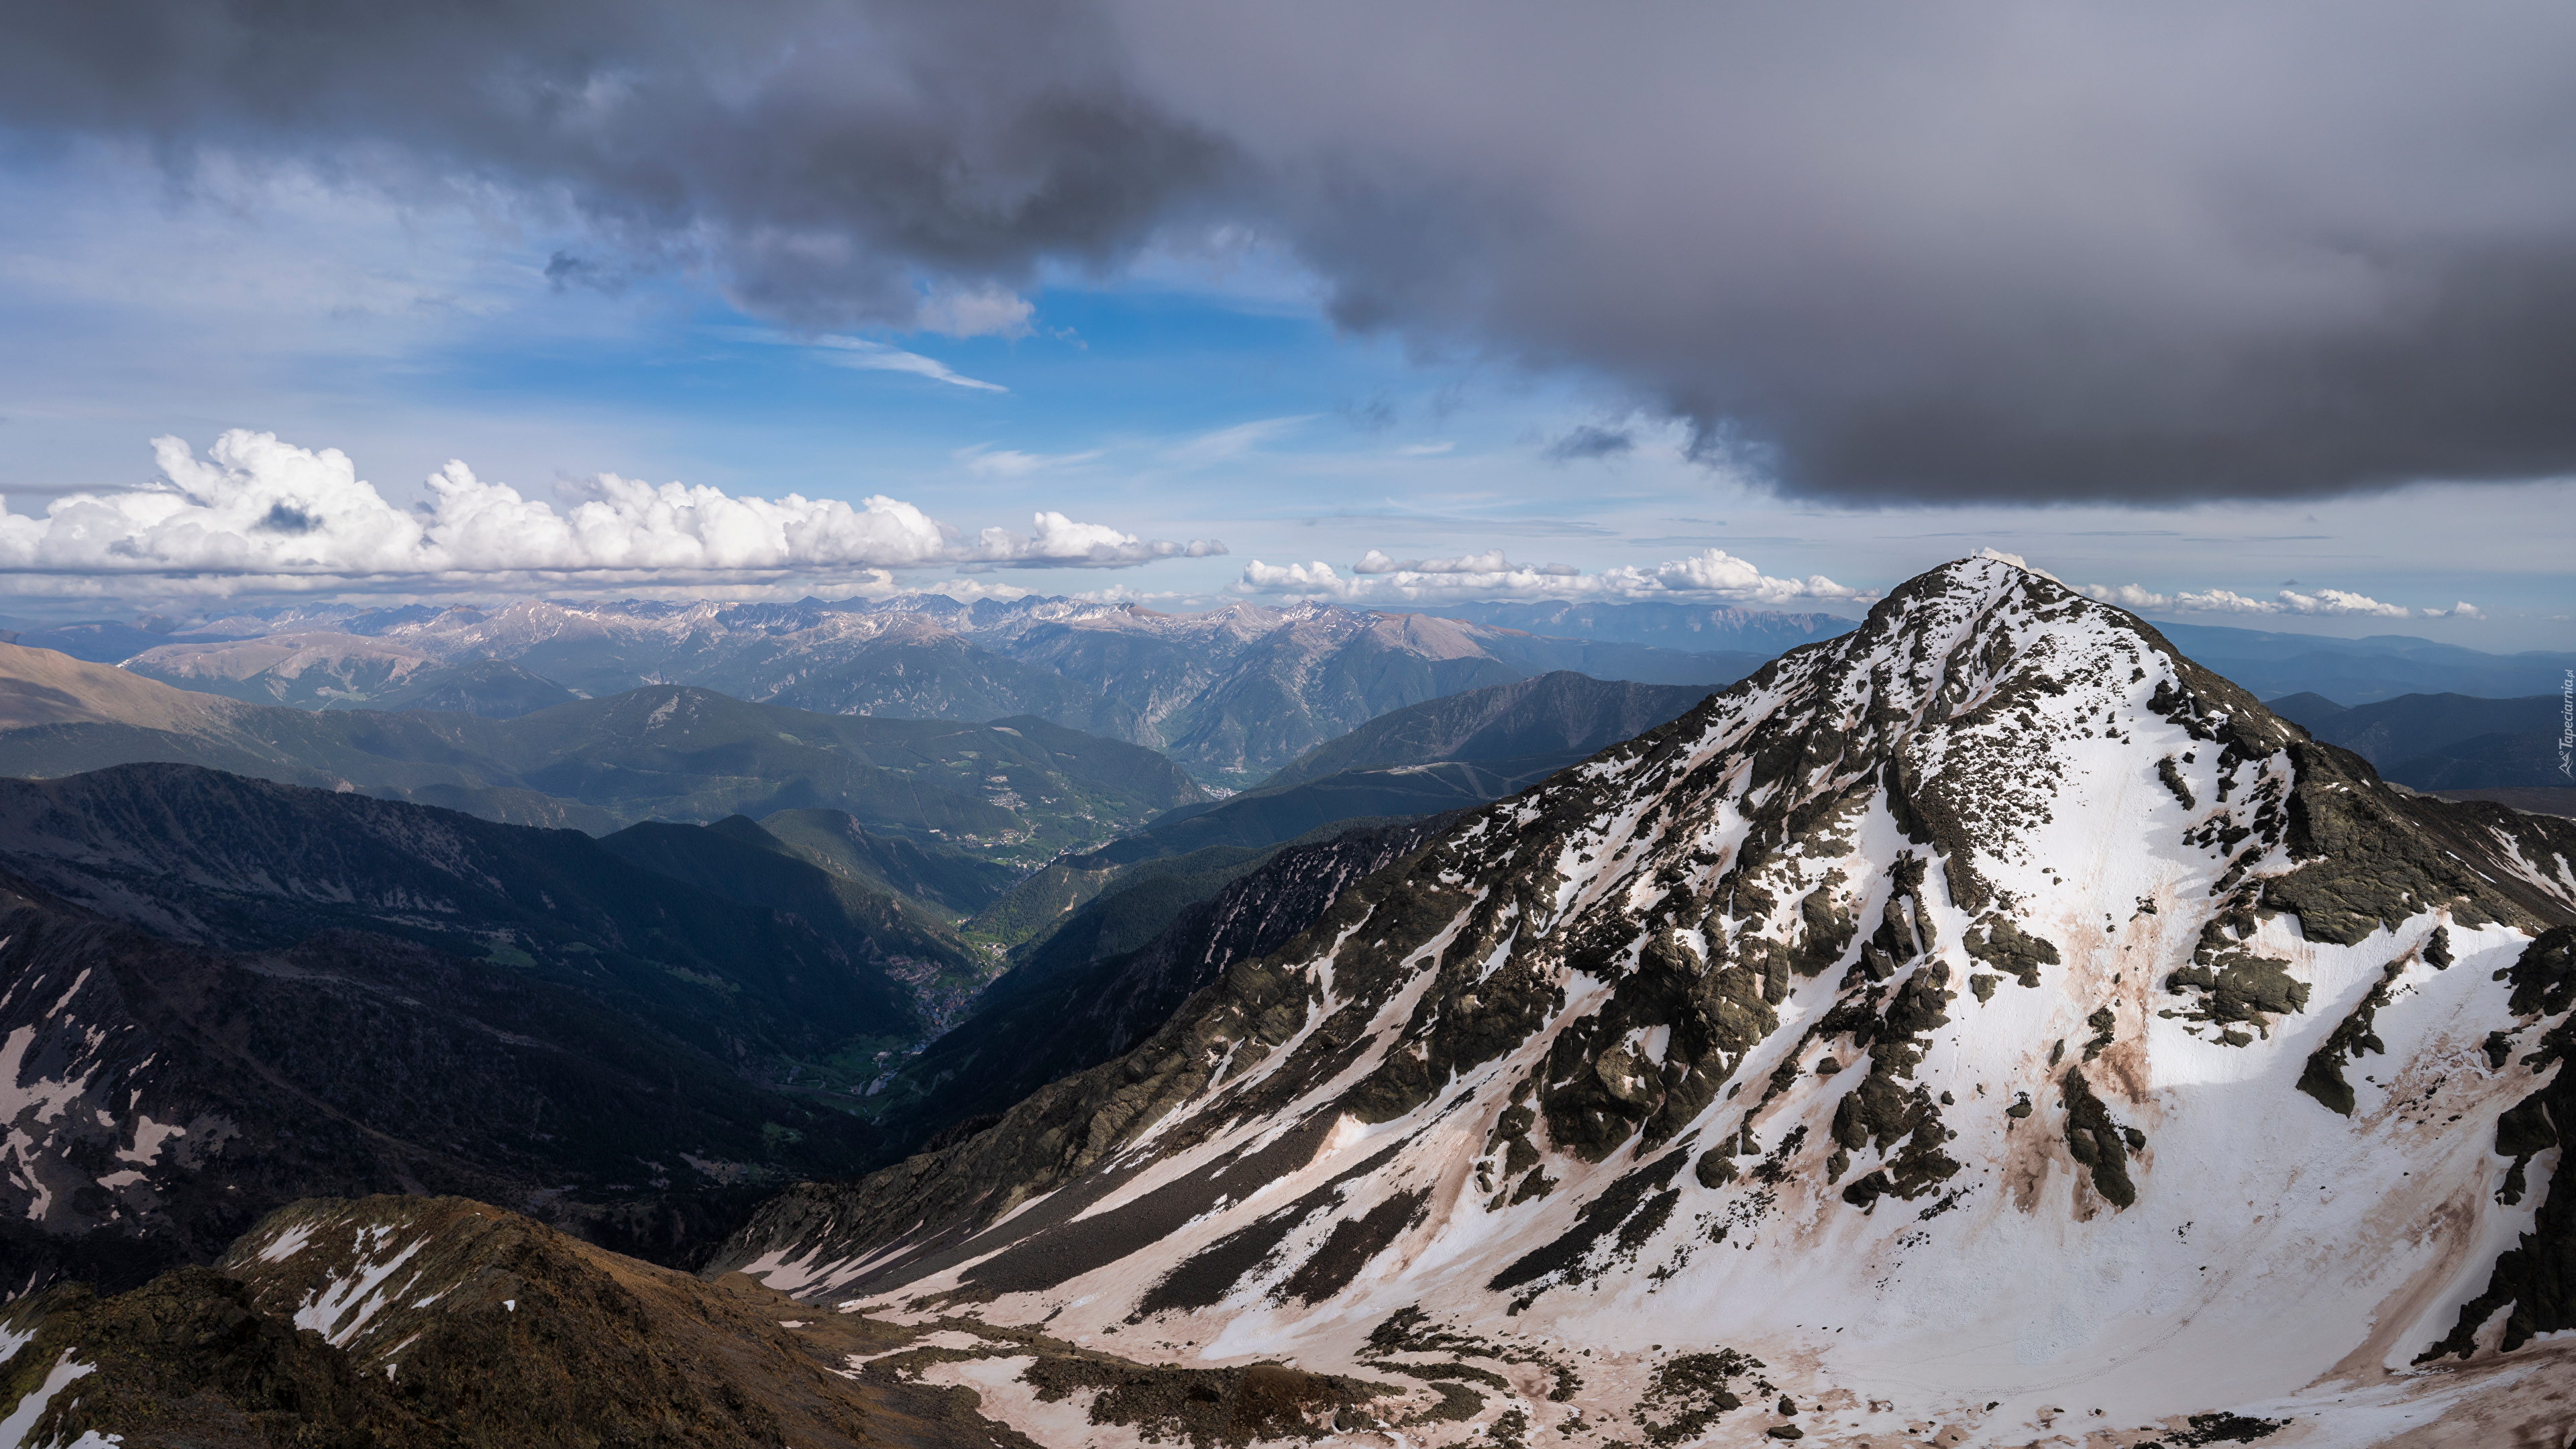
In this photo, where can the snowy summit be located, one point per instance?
(1986, 1026)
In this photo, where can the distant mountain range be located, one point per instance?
(2440, 742)
(2363, 671)
(1015, 792)
(1230, 694)
(1720, 628)
(1442, 754)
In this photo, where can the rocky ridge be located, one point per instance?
(393, 1322)
(1987, 1022)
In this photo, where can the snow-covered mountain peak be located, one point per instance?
(1980, 1015)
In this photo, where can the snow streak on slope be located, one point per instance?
(80, 1153)
(1986, 1021)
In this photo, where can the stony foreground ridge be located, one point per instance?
(406, 1322)
(1987, 1026)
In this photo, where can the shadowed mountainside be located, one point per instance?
(165, 1095)
(1562, 715)
(238, 864)
(2444, 741)
(1095, 995)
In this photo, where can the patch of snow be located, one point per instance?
(287, 1244)
(13, 1429)
(148, 1138)
(340, 1310)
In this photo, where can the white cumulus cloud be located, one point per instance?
(1491, 561)
(2127, 596)
(2324, 603)
(1712, 575)
(259, 512)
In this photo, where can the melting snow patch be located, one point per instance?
(947, 1338)
(355, 1299)
(148, 1137)
(288, 1244)
(13, 1429)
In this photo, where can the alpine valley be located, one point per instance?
(1986, 1026)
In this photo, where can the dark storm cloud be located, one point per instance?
(1590, 441)
(821, 155)
(564, 270)
(2011, 251)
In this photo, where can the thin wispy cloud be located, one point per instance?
(867, 356)
(1234, 442)
(987, 461)
(859, 353)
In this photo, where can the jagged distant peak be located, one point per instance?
(1988, 987)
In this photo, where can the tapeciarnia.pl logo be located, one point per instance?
(2567, 726)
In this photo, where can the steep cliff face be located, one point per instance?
(1986, 1023)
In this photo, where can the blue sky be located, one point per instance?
(1195, 387)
